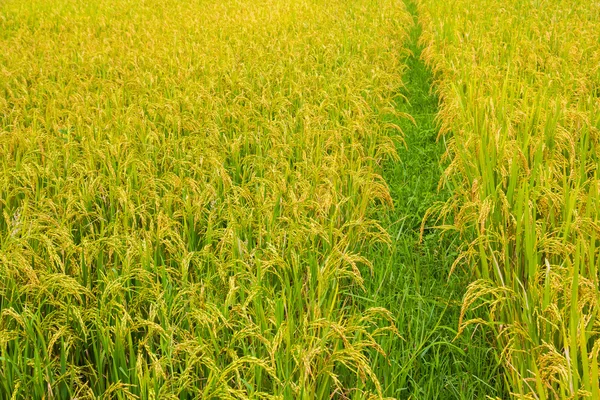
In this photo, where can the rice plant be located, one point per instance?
(519, 83)
(187, 189)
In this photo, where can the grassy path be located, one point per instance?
(411, 279)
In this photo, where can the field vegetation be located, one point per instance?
(187, 190)
(520, 88)
(246, 199)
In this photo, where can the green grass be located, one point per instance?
(411, 278)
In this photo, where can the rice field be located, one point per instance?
(358, 199)
(520, 91)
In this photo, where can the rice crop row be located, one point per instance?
(186, 192)
(519, 83)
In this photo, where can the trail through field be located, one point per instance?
(411, 278)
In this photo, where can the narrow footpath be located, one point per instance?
(411, 279)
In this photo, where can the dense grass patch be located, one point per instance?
(411, 277)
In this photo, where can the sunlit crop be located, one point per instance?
(520, 89)
(204, 199)
(186, 191)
